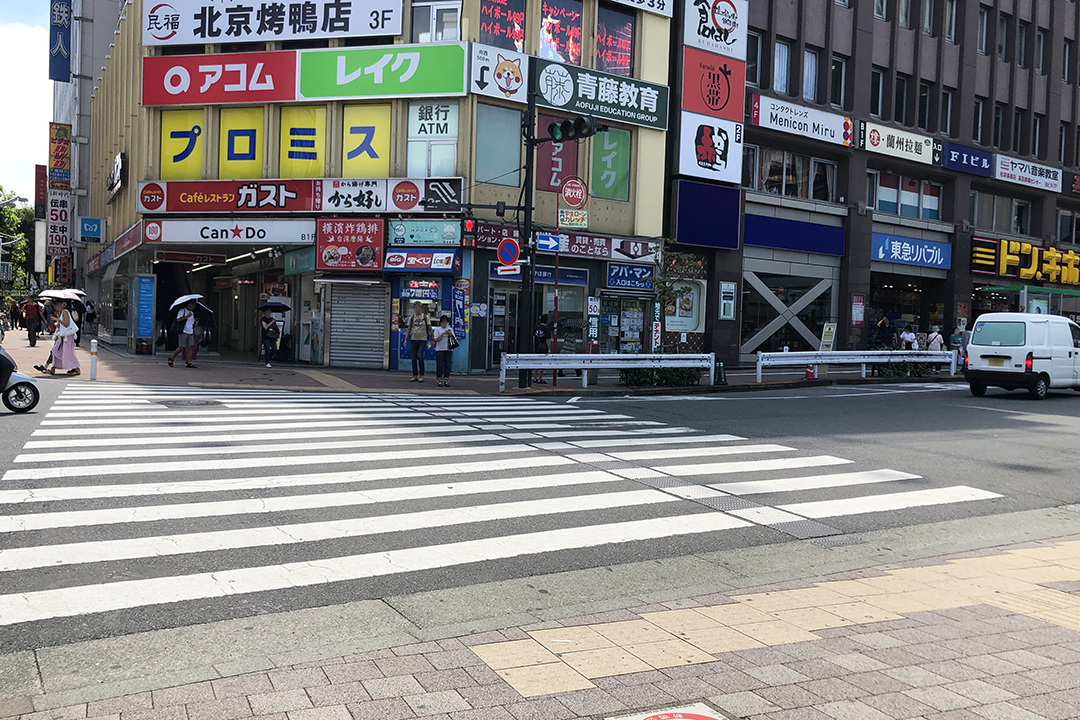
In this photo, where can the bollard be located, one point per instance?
(93, 359)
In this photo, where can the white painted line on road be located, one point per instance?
(192, 416)
(696, 451)
(85, 600)
(43, 556)
(813, 482)
(766, 515)
(202, 411)
(893, 501)
(263, 447)
(630, 434)
(267, 428)
(640, 440)
(348, 477)
(256, 506)
(266, 461)
(724, 468)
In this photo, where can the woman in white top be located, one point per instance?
(443, 352)
(186, 343)
(63, 352)
(907, 338)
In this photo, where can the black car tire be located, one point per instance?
(977, 389)
(1040, 388)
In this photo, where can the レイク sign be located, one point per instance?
(206, 79)
(186, 22)
(1027, 173)
(799, 120)
(910, 251)
(611, 97)
(383, 72)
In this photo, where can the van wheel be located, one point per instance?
(1040, 388)
(977, 389)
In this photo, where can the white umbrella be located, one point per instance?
(60, 295)
(183, 300)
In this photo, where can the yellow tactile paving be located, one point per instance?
(565, 659)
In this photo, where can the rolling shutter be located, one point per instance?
(358, 325)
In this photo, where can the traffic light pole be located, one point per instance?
(525, 300)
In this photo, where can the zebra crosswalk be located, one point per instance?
(174, 498)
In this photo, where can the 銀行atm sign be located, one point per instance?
(218, 79)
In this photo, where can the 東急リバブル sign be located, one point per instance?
(910, 251)
(198, 22)
(1027, 173)
(608, 97)
(800, 120)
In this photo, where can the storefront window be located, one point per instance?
(1066, 223)
(903, 196)
(572, 319)
(498, 154)
(824, 181)
(749, 167)
(795, 177)
(560, 31)
(502, 24)
(772, 171)
(435, 22)
(806, 303)
(780, 173)
(615, 41)
(432, 148)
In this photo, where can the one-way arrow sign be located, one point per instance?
(550, 243)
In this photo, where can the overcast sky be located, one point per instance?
(26, 91)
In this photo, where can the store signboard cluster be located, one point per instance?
(338, 195)
(387, 71)
(1023, 261)
(800, 120)
(198, 22)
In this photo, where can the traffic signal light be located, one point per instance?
(468, 232)
(576, 129)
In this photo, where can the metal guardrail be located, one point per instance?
(858, 357)
(563, 361)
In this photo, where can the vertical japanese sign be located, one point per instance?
(615, 41)
(59, 156)
(59, 228)
(554, 161)
(60, 40)
(560, 31)
(303, 142)
(342, 244)
(41, 191)
(240, 143)
(611, 165)
(502, 24)
(365, 152)
(181, 144)
(461, 303)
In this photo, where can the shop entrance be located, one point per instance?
(783, 311)
(504, 323)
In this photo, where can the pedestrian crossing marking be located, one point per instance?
(893, 501)
(723, 468)
(813, 482)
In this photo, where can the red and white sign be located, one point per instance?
(218, 79)
(343, 244)
(191, 258)
(555, 162)
(405, 195)
(574, 192)
(232, 231)
(59, 220)
(656, 335)
(422, 261)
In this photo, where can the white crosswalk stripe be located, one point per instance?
(210, 495)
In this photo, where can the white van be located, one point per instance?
(1023, 350)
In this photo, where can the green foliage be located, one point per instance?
(903, 369)
(17, 222)
(663, 377)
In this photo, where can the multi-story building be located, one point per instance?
(322, 153)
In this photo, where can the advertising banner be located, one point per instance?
(181, 144)
(1023, 261)
(60, 19)
(240, 143)
(349, 244)
(659, 7)
(434, 261)
(59, 227)
(900, 144)
(230, 230)
(630, 277)
(611, 165)
(41, 191)
(365, 151)
(189, 258)
(502, 24)
(806, 122)
(300, 261)
(910, 251)
(501, 74)
(59, 156)
(198, 22)
(383, 72)
(713, 85)
(559, 31)
(303, 142)
(708, 215)
(607, 97)
(554, 161)
(1027, 173)
(710, 148)
(424, 232)
(260, 77)
(91, 230)
(717, 26)
(967, 159)
(353, 196)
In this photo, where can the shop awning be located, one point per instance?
(349, 280)
(1029, 288)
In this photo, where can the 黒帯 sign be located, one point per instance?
(799, 120)
(198, 22)
(609, 97)
(713, 85)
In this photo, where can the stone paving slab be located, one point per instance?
(984, 648)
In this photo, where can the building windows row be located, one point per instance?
(778, 172)
(927, 15)
(811, 72)
(903, 196)
(1067, 224)
(1004, 37)
(1000, 213)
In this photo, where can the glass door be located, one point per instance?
(504, 308)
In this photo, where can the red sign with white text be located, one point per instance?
(713, 85)
(192, 258)
(255, 196)
(342, 244)
(554, 161)
(219, 79)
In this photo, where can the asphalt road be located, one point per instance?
(127, 509)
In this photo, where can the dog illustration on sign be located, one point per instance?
(508, 75)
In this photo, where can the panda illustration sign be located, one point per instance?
(498, 73)
(710, 148)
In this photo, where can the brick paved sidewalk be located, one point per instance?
(993, 635)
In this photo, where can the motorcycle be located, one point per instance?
(19, 393)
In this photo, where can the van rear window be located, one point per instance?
(1005, 334)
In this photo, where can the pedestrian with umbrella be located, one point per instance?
(63, 352)
(184, 326)
(268, 329)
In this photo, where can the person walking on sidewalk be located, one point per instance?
(185, 317)
(443, 351)
(33, 315)
(269, 332)
(934, 343)
(63, 352)
(542, 340)
(418, 328)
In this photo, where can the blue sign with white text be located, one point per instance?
(144, 304)
(544, 274)
(630, 277)
(60, 19)
(967, 159)
(90, 230)
(910, 251)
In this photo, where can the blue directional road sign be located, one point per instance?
(509, 251)
(548, 243)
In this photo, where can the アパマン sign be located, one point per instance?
(1027, 173)
(788, 117)
(198, 22)
(217, 79)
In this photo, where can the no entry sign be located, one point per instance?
(509, 251)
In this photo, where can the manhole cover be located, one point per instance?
(836, 541)
(187, 403)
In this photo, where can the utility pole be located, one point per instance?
(528, 265)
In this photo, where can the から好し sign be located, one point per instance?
(601, 95)
(1024, 261)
